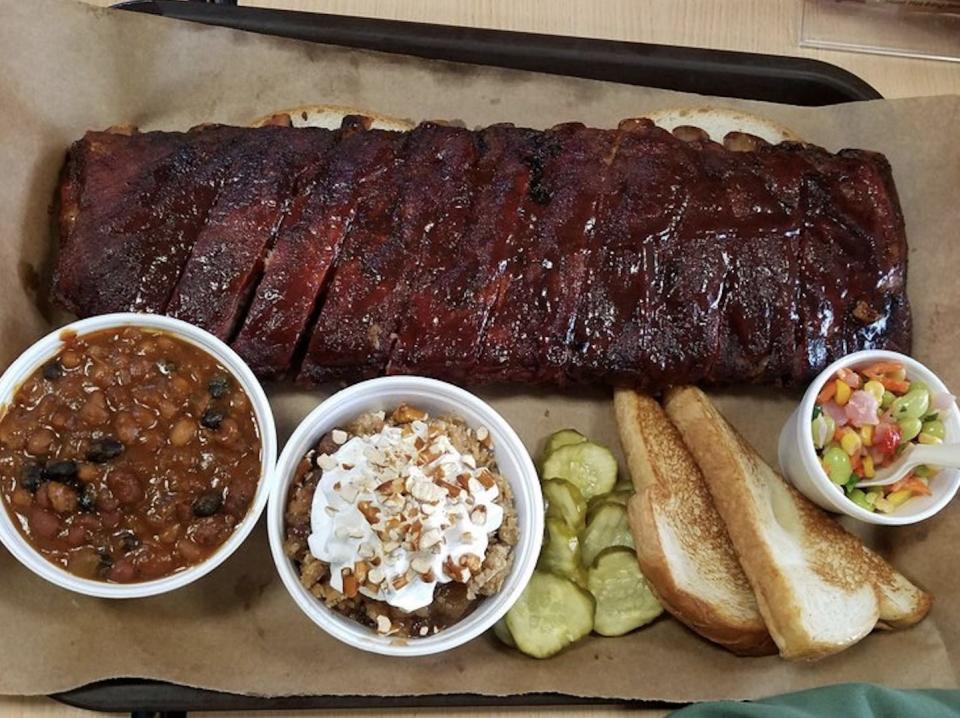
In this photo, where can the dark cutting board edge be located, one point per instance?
(742, 75)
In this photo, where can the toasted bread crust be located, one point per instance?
(717, 122)
(662, 469)
(866, 586)
(303, 115)
(702, 617)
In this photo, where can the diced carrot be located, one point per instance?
(826, 394)
(881, 368)
(911, 483)
(896, 386)
(856, 461)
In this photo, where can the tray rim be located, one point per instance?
(687, 69)
(162, 696)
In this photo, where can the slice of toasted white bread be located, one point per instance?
(682, 544)
(717, 122)
(818, 587)
(330, 117)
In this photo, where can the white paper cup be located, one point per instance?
(437, 398)
(799, 462)
(46, 349)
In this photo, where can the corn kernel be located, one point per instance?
(929, 439)
(883, 505)
(843, 393)
(866, 434)
(898, 498)
(851, 443)
(868, 469)
(874, 388)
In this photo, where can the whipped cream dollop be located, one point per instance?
(401, 510)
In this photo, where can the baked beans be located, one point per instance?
(129, 456)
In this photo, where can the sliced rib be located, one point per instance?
(369, 297)
(530, 326)
(132, 234)
(228, 255)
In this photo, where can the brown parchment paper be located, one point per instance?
(67, 67)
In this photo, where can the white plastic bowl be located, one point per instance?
(799, 462)
(43, 351)
(436, 398)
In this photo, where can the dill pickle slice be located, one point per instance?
(614, 497)
(607, 526)
(624, 600)
(588, 466)
(564, 437)
(551, 613)
(564, 501)
(502, 631)
(561, 552)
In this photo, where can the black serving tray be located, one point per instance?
(750, 76)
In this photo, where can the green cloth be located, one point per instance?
(850, 700)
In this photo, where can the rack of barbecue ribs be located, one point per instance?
(571, 255)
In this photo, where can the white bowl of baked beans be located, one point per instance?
(135, 452)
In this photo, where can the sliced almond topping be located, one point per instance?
(375, 576)
(400, 581)
(486, 479)
(453, 490)
(350, 585)
(360, 571)
(479, 515)
(370, 512)
(365, 550)
(405, 413)
(427, 492)
(429, 538)
(421, 564)
(393, 502)
(383, 624)
(339, 436)
(469, 460)
(458, 573)
(482, 434)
